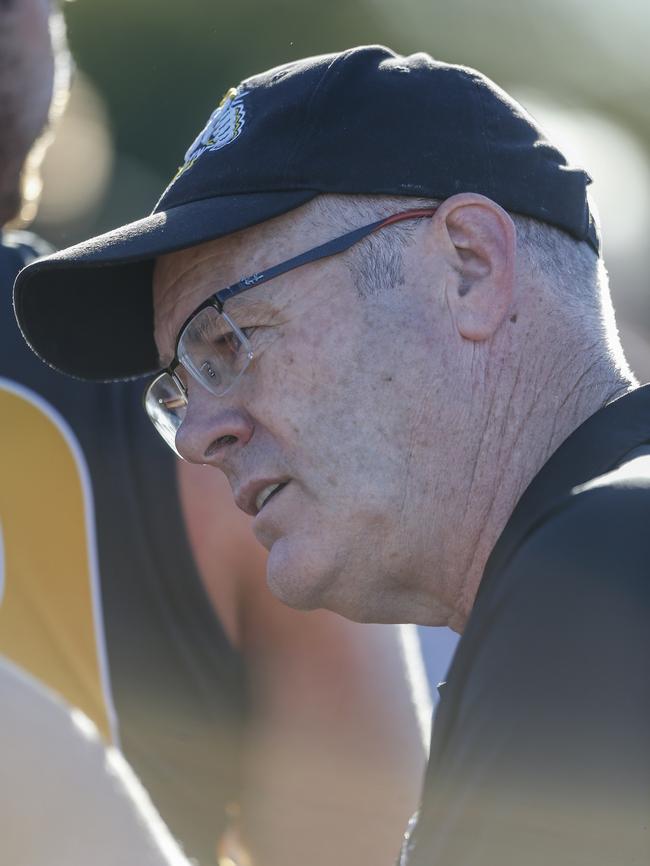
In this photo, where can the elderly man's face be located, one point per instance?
(335, 406)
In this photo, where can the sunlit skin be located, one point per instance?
(37, 70)
(395, 418)
(27, 50)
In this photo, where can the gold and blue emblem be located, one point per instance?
(223, 127)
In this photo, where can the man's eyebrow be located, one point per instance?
(254, 306)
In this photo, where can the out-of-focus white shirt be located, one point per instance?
(65, 799)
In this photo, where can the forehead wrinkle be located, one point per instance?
(249, 302)
(183, 274)
(184, 262)
(250, 306)
(196, 253)
(174, 269)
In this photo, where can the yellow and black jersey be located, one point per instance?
(100, 597)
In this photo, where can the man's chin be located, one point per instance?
(291, 576)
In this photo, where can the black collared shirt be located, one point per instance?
(541, 748)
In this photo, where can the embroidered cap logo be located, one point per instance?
(223, 127)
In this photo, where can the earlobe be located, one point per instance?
(479, 237)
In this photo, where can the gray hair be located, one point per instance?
(570, 268)
(569, 271)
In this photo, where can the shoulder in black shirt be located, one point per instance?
(541, 746)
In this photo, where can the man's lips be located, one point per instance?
(254, 495)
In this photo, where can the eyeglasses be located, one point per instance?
(214, 351)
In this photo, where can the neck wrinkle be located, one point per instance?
(529, 428)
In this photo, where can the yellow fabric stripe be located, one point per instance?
(47, 623)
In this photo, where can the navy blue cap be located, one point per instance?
(365, 121)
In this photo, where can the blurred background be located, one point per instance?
(149, 72)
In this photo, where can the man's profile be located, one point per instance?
(373, 296)
(134, 590)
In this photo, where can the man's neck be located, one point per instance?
(532, 424)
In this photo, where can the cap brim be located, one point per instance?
(87, 310)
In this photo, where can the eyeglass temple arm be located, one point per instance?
(329, 248)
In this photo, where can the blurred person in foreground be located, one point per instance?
(376, 293)
(65, 798)
(135, 590)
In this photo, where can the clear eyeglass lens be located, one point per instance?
(166, 404)
(214, 350)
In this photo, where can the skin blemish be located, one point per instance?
(513, 318)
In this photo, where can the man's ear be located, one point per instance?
(477, 238)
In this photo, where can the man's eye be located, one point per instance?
(208, 370)
(229, 337)
(226, 341)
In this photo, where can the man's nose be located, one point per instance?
(210, 432)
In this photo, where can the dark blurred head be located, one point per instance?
(34, 73)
